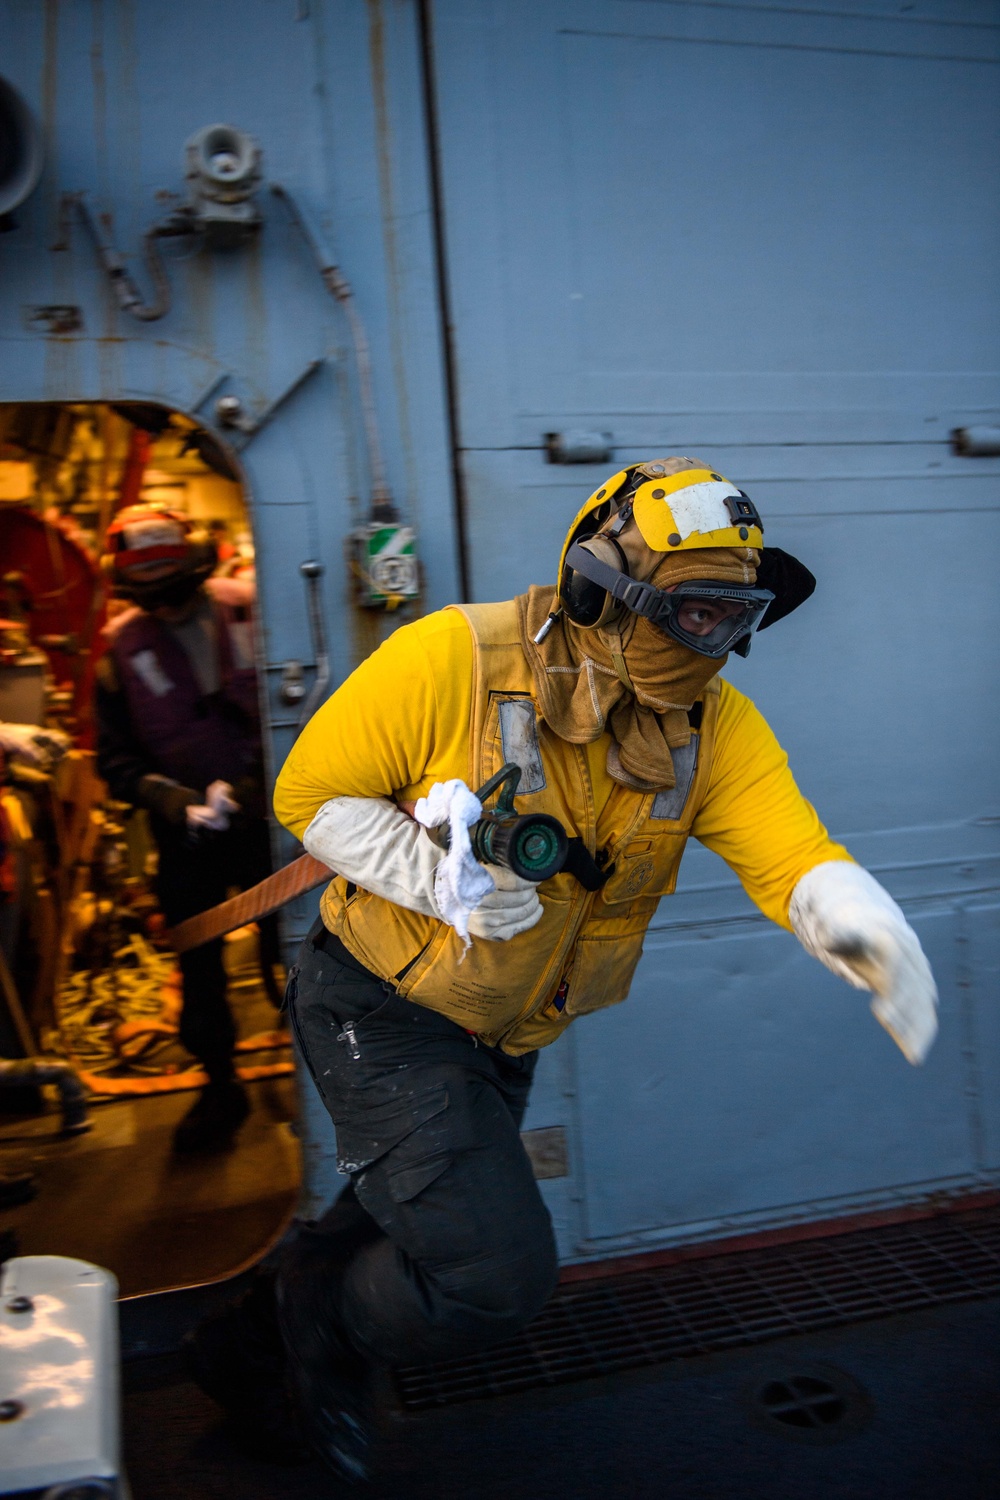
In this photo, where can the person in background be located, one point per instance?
(179, 735)
(225, 548)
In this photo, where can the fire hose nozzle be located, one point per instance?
(534, 846)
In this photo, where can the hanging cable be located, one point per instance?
(129, 297)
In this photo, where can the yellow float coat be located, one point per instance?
(425, 707)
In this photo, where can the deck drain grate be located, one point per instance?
(815, 1403)
(596, 1328)
(806, 1401)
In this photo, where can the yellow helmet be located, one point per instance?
(677, 505)
(676, 509)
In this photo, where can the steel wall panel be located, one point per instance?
(761, 1083)
(715, 208)
(765, 234)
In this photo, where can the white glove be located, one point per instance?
(373, 844)
(216, 810)
(376, 846)
(491, 903)
(511, 908)
(842, 916)
(30, 742)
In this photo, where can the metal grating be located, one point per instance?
(596, 1328)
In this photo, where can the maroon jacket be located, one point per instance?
(193, 738)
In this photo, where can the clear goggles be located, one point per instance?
(711, 618)
(708, 617)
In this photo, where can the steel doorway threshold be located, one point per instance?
(597, 1328)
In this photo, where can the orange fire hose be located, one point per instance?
(303, 874)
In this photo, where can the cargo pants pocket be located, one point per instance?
(406, 1139)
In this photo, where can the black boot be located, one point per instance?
(326, 1374)
(238, 1358)
(213, 1119)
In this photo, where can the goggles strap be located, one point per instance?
(656, 605)
(640, 598)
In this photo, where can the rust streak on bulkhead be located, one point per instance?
(107, 363)
(128, 141)
(100, 99)
(197, 306)
(60, 353)
(363, 622)
(49, 97)
(255, 344)
(397, 310)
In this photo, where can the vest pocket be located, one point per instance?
(646, 866)
(602, 971)
(535, 1031)
(389, 940)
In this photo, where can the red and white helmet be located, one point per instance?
(156, 556)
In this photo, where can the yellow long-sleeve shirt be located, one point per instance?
(401, 722)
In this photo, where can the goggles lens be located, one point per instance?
(711, 618)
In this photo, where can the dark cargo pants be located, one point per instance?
(193, 876)
(452, 1247)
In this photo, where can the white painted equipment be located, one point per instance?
(59, 1397)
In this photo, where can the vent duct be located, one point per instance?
(20, 150)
